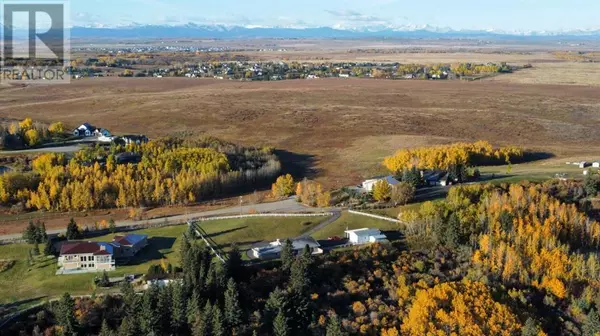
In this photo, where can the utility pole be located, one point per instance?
(241, 201)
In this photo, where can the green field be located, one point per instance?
(537, 171)
(39, 281)
(350, 221)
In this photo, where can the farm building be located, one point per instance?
(273, 250)
(365, 236)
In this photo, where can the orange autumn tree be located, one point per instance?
(459, 308)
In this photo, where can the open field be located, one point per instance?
(563, 73)
(324, 127)
(38, 281)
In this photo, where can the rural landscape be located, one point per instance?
(227, 180)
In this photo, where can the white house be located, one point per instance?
(369, 184)
(273, 249)
(596, 164)
(85, 130)
(80, 257)
(365, 236)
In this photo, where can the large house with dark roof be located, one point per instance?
(81, 257)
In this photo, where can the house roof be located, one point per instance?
(389, 179)
(365, 232)
(84, 248)
(86, 126)
(130, 239)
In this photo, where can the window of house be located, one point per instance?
(83, 258)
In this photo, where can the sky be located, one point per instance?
(508, 15)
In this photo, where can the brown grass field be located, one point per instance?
(343, 128)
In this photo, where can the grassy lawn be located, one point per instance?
(534, 172)
(248, 231)
(39, 281)
(351, 221)
(395, 211)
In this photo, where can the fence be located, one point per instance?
(311, 214)
(374, 216)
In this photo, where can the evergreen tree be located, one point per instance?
(30, 233)
(73, 231)
(112, 227)
(163, 309)
(49, 248)
(129, 297)
(193, 307)
(104, 280)
(178, 310)
(218, 329)
(65, 315)
(232, 310)
(128, 327)
(234, 265)
(149, 320)
(277, 301)
(287, 256)
(334, 326)
(591, 326)
(203, 325)
(105, 330)
(452, 234)
(530, 328)
(300, 279)
(280, 327)
(42, 236)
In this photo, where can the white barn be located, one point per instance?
(368, 185)
(365, 236)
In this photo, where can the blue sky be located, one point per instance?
(458, 14)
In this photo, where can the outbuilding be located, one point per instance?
(365, 236)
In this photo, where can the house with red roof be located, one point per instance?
(82, 257)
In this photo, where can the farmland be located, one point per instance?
(321, 126)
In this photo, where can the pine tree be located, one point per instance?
(334, 327)
(105, 330)
(30, 233)
(232, 310)
(149, 318)
(73, 231)
(66, 314)
(234, 265)
(280, 327)
(591, 326)
(49, 248)
(112, 227)
(35, 250)
(163, 309)
(301, 273)
(203, 325)
(178, 310)
(41, 232)
(287, 255)
(218, 329)
(128, 327)
(193, 308)
(277, 301)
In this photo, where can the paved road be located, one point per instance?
(286, 206)
(336, 215)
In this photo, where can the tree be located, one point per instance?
(334, 326)
(234, 265)
(35, 251)
(32, 137)
(105, 330)
(149, 318)
(287, 255)
(49, 248)
(163, 309)
(218, 329)
(73, 231)
(382, 191)
(300, 279)
(104, 280)
(283, 186)
(128, 327)
(280, 327)
(591, 325)
(203, 325)
(591, 184)
(530, 328)
(178, 310)
(232, 310)
(66, 314)
(402, 193)
(57, 128)
(30, 235)
(112, 227)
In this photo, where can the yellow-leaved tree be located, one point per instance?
(382, 191)
(459, 308)
(283, 186)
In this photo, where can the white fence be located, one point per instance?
(312, 214)
(374, 216)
